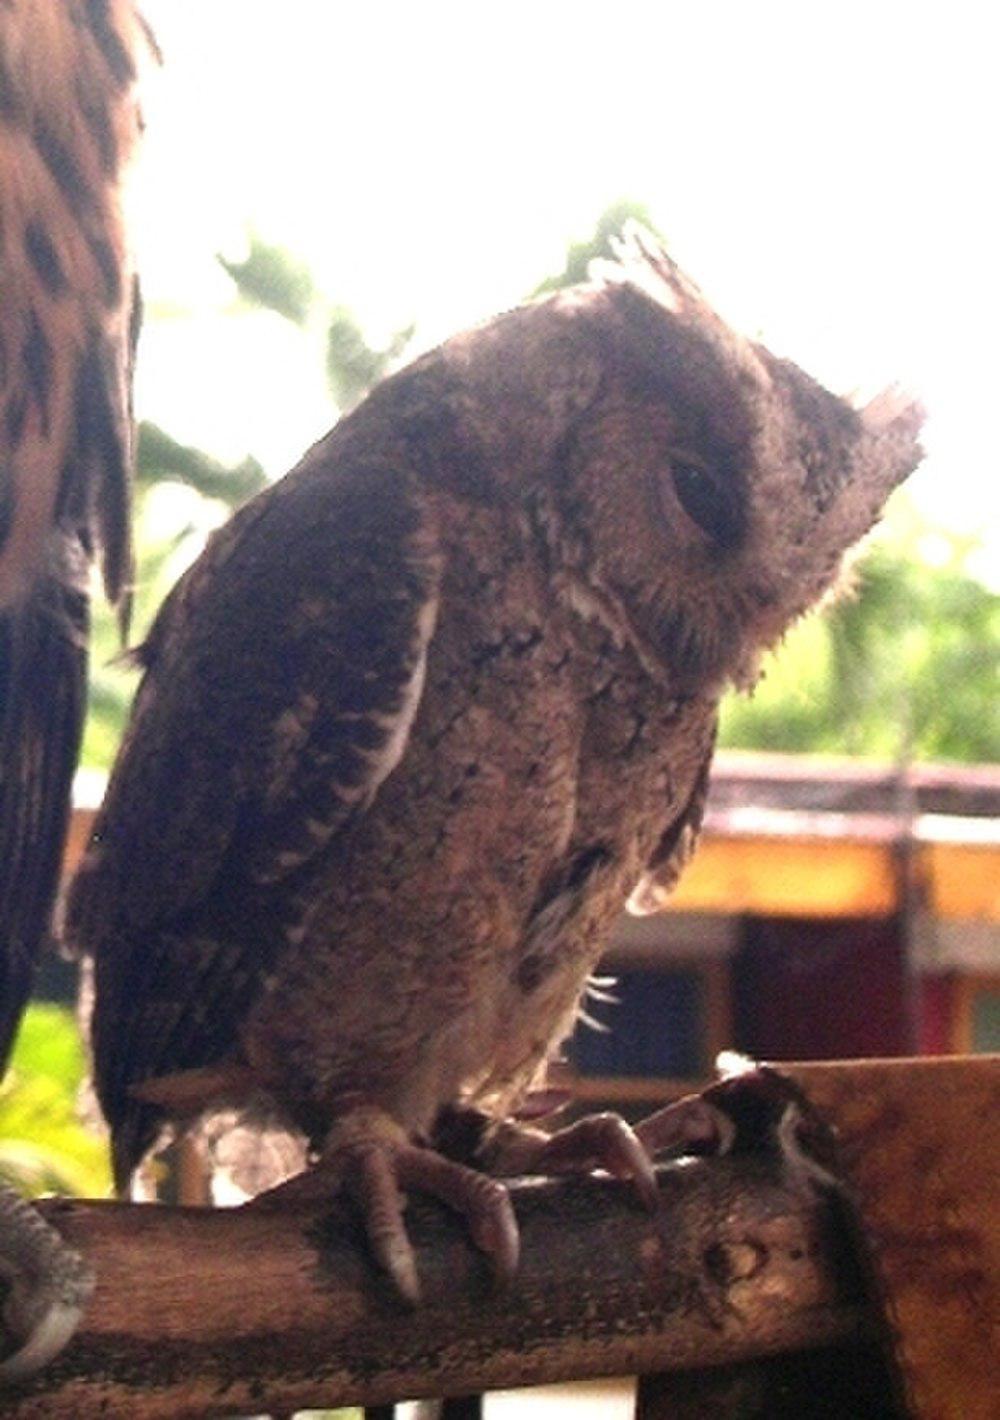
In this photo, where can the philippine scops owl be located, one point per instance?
(68, 123)
(428, 712)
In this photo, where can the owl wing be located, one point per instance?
(676, 848)
(282, 677)
(42, 701)
(68, 121)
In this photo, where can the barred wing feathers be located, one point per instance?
(283, 675)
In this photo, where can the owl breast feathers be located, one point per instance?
(427, 712)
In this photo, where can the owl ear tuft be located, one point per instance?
(639, 259)
(637, 245)
(891, 449)
(893, 409)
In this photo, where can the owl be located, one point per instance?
(430, 711)
(68, 123)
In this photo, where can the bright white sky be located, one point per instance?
(827, 173)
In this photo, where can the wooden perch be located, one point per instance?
(204, 1312)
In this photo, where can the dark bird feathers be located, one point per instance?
(68, 121)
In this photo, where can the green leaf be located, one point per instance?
(352, 365)
(162, 457)
(273, 279)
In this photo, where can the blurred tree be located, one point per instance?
(906, 667)
(352, 366)
(161, 459)
(272, 279)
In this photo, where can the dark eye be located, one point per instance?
(707, 502)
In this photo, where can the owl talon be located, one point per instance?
(48, 1287)
(603, 1141)
(375, 1177)
(692, 1125)
(372, 1180)
(483, 1201)
(368, 1156)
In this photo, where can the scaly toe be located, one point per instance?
(372, 1178)
(368, 1156)
(692, 1125)
(603, 1141)
(482, 1201)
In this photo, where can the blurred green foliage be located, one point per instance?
(43, 1146)
(599, 245)
(905, 666)
(352, 366)
(271, 278)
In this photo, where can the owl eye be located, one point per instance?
(707, 501)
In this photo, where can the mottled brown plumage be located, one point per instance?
(427, 712)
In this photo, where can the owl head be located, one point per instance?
(694, 491)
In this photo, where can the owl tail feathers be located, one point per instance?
(191, 1091)
(42, 702)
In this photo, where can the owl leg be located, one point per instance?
(48, 1285)
(369, 1156)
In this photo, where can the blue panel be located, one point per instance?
(656, 1028)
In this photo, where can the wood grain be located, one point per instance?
(203, 1312)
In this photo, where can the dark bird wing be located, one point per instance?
(68, 120)
(278, 695)
(43, 695)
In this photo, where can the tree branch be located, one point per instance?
(203, 1312)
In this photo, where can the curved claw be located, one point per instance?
(369, 1157)
(49, 1284)
(603, 1141)
(376, 1172)
(482, 1201)
(372, 1181)
(597, 1141)
(691, 1125)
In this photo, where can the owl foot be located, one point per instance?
(751, 1109)
(369, 1157)
(48, 1285)
(597, 1141)
(692, 1125)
